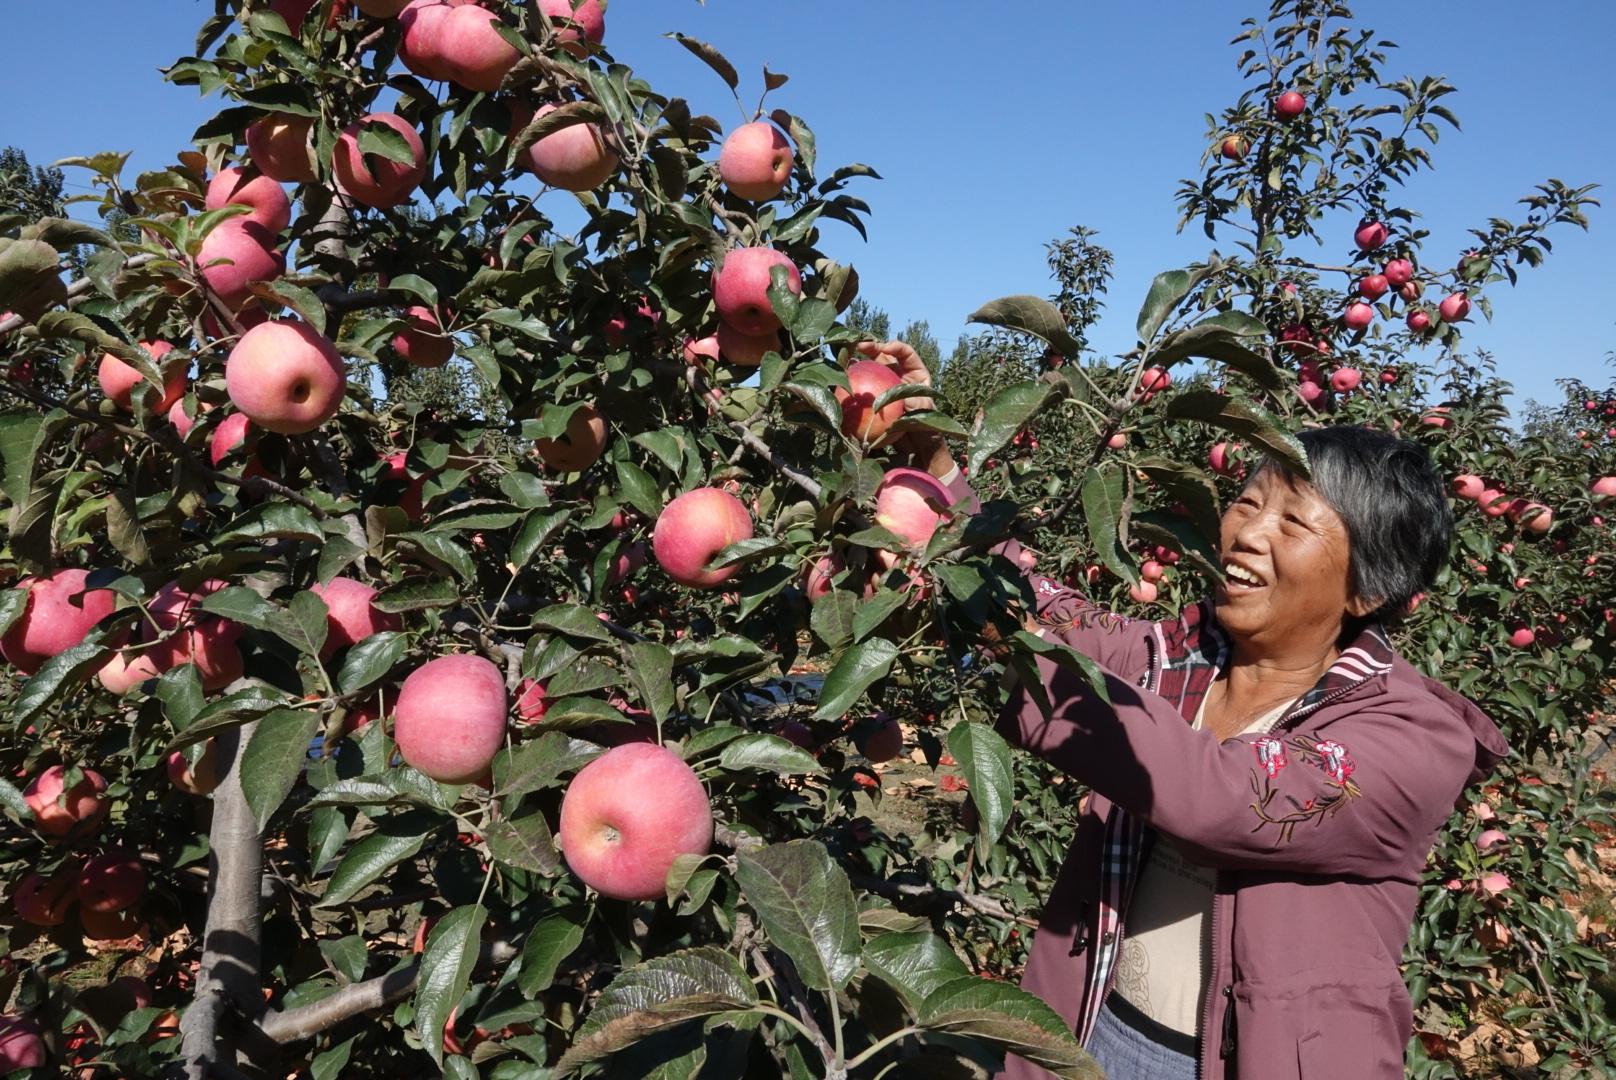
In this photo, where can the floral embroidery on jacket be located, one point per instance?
(1270, 754)
(1286, 813)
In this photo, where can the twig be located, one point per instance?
(765, 451)
(899, 891)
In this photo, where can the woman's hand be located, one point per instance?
(928, 450)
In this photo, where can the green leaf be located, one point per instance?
(1182, 536)
(1186, 484)
(397, 837)
(805, 903)
(347, 955)
(575, 620)
(416, 594)
(552, 940)
(873, 612)
(853, 674)
(535, 533)
(567, 115)
(1104, 495)
(770, 753)
(18, 432)
(540, 763)
(444, 552)
(650, 666)
(659, 994)
(832, 618)
(27, 270)
(274, 758)
(1030, 315)
(301, 300)
(708, 739)
(1005, 415)
(180, 691)
(55, 678)
(914, 964)
(1244, 419)
(446, 965)
(638, 488)
(305, 624)
(1167, 291)
(1011, 1019)
(984, 759)
(525, 843)
(232, 710)
(272, 521)
(13, 602)
(15, 801)
(1213, 340)
(370, 659)
(1063, 655)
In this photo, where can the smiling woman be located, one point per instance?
(1268, 778)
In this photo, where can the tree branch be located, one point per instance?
(898, 891)
(76, 291)
(765, 451)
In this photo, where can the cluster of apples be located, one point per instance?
(1534, 518)
(106, 887)
(1398, 274)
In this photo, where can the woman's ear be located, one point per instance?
(1358, 607)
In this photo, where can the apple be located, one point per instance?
(236, 253)
(1468, 486)
(617, 330)
(881, 741)
(1522, 637)
(1289, 105)
(296, 12)
(1233, 148)
(357, 716)
(449, 721)
(1455, 308)
(351, 617)
(57, 615)
(111, 882)
(817, 579)
(109, 925)
(198, 779)
(1345, 379)
(1144, 592)
(1437, 417)
(1151, 570)
(1412, 291)
(588, 24)
(797, 733)
(628, 815)
(1535, 518)
(1418, 321)
(580, 446)
(1358, 316)
(868, 380)
(1370, 234)
(696, 348)
(279, 147)
(741, 288)
(420, 49)
(913, 504)
(1603, 489)
(44, 901)
(1310, 391)
(1220, 459)
(625, 563)
(756, 161)
(396, 467)
(21, 1044)
(746, 350)
(423, 343)
(285, 377)
(183, 422)
(191, 637)
(1398, 272)
(1153, 380)
(476, 55)
(235, 187)
(531, 701)
(377, 181)
(575, 158)
(1493, 503)
(118, 379)
(692, 529)
(1373, 287)
(229, 434)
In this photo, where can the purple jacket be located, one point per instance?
(1319, 831)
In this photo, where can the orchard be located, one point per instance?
(438, 640)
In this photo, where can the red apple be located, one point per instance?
(817, 580)
(575, 158)
(1455, 308)
(625, 563)
(420, 49)
(1468, 486)
(579, 447)
(21, 1044)
(423, 343)
(183, 422)
(1412, 291)
(695, 527)
(1398, 272)
(1345, 379)
(741, 288)
(1419, 321)
(881, 742)
(1493, 503)
(696, 348)
(118, 379)
(580, 24)
(44, 901)
(235, 187)
(756, 161)
(1144, 592)
(745, 350)
(198, 779)
(450, 718)
(1535, 518)
(912, 504)
(111, 882)
(1153, 380)
(1358, 316)
(351, 617)
(237, 253)
(1233, 148)
(1437, 417)
(1310, 391)
(628, 815)
(868, 380)
(1522, 637)
(477, 56)
(285, 377)
(1603, 489)
(279, 147)
(1370, 234)
(1373, 287)
(1151, 570)
(1219, 459)
(378, 181)
(1290, 105)
(531, 701)
(231, 433)
(58, 614)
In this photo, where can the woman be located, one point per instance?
(1268, 778)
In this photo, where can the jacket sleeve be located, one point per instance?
(1361, 798)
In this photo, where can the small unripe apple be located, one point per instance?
(1358, 316)
(868, 379)
(1233, 148)
(1289, 105)
(423, 343)
(589, 28)
(1418, 321)
(756, 161)
(881, 741)
(351, 614)
(118, 379)
(745, 350)
(1454, 308)
(285, 377)
(1345, 379)
(912, 504)
(1523, 637)
(1144, 592)
(1370, 234)
(580, 446)
(692, 529)
(234, 187)
(628, 815)
(1398, 272)
(237, 253)
(374, 180)
(531, 701)
(477, 56)
(1373, 287)
(575, 158)
(450, 718)
(1468, 486)
(741, 288)
(111, 882)
(279, 147)
(57, 615)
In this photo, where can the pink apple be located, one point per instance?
(1345, 379)
(1153, 380)
(1468, 486)
(183, 422)
(1398, 272)
(881, 742)
(421, 47)
(1151, 570)
(756, 161)
(628, 815)
(1493, 503)
(868, 380)
(423, 343)
(1370, 234)
(741, 288)
(44, 901)
(1535, 518)
(235, 187)
(745, 350)
(625, 564)
(374, 180)
(118, 379)
(1144, 592)
(696, 348)
(111, 882)
(477, 56)
(1522, 637)
(351, 616)
(575, 158)
(1490, 885)
(913, 504)
(588, 24)
(1117, 441)
(1358, 316)
(1603, 489)
(1373, 287)
(1455, 308)
(1411, 291)
(58, 614)
(1233, 148)
(1220, 460)
(1490, 838)
(579, 447)
(818, 579)
(695, 527)
(1419, 321)
(125, 670)
(1289, 105)
(198, 779)
(285, 377)
(237, 253)
(21, 1044)
(231, 433)
(1310, 392)
(279, 147)
(450, 718)
(531, 701)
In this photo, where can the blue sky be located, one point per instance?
(997, 126)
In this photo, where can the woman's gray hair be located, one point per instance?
(1395, 506)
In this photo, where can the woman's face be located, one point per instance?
(1285, 557)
